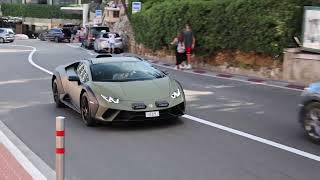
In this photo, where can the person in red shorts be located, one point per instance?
(189, 41)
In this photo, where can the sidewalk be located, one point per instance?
(18, 162)
(10, 168)
(236, 77)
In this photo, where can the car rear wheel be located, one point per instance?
(1, 40)
(85, 111)
(311, 121)
(55, 92)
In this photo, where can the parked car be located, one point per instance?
(58, 35)
(6, 35)
(101, 43)
(92, 34)
(309, 115)
(69, 26)
(42, 36)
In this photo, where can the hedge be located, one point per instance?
(36, 11)
(263, 26)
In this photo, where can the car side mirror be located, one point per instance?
(74, 78)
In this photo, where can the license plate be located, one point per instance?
(152, 114)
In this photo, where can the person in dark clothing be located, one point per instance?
(189, 41)
(180, 50)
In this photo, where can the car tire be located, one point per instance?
(311, 121)
(1, 40)
(56, 39)
(85, 111)
(55, 92)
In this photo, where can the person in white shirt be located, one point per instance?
(111, 41)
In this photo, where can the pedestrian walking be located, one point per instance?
(74, 33)
(189, 41)
(111, 42)
(82, 34)
(180, 50)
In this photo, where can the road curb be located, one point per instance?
(256, 80)
(30, 155)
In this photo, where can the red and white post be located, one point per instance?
(60, 148)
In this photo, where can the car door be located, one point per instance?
(74, 88)
(50, 34)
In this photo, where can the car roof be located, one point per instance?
(113, 59)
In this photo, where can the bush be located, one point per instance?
(36, 11)
(263, 26)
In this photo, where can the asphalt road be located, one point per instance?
(172, 150)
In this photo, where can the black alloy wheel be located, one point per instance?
(55, 92)
(85, 111)
(311, 121)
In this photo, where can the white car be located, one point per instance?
(6, 35)
(101, 43)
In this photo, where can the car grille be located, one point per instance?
(140, 116)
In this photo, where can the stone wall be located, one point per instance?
(124, 28)
(300, 66)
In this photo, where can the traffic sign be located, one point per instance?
(98, 13)
(136, 7)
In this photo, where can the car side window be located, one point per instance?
(82, 73)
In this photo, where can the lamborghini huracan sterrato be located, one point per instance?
(117, 89)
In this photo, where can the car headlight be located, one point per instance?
(110, 99)
(176, 94)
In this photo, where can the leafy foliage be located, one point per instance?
(263, 26)
(36, 11)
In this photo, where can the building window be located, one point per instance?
(116, 14)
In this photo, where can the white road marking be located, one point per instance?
(256, 138)
(88, 51)
(34, 64)
(18, 81)
(240, 133)
(30, 58)
(26, 164)
(12, 50)
(15, 151)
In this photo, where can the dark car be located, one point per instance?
(57, 35)
(309, 115)
(92, 34)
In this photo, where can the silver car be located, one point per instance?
(310, 111)
(101, 43)
(6, 35)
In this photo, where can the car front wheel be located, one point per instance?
(311, 121)
(1, 40)
(85, 111)
(55, 92)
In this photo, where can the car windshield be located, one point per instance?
(97, 30)
(124, 71)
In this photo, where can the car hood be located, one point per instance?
(156, 89)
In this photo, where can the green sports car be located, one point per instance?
(117, 89)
